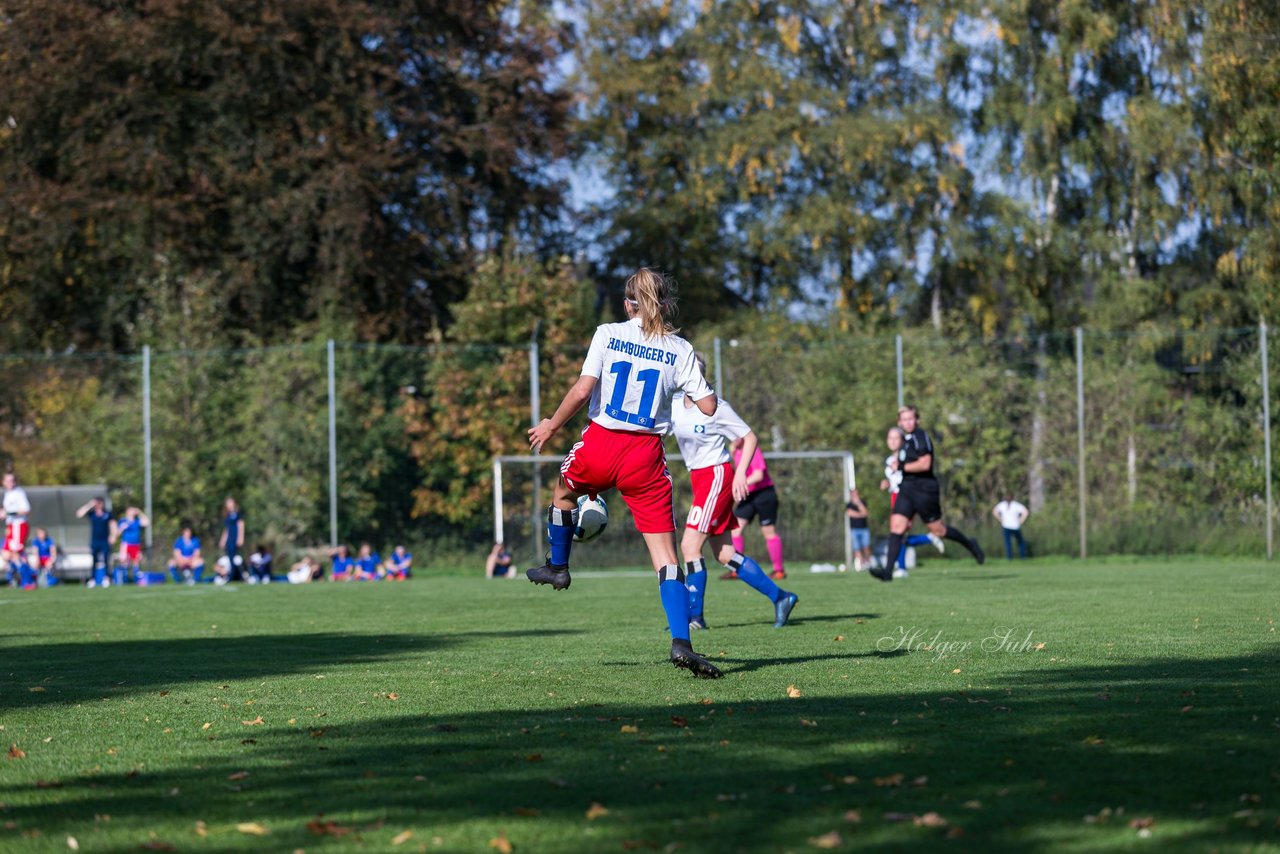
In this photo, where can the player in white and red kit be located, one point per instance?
(630, 374)
(17, 507)
(716, 485)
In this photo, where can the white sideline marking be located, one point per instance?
(620, 574)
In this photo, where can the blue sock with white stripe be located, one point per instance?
(696, 581)
(750, 572)
(26, 574)
(560, 527)
(675, 601)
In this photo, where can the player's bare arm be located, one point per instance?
(924, 462)
(741, 483)
(574, 400)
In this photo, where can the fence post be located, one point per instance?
(535, 418)
(333, 449)
(897, 349)
(146, 437)
(1266, 428)
(1084, 536)
(719, 369)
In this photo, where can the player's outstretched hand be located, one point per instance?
(740, 489)
(540, 435)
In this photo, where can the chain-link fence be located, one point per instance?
(1173, 435)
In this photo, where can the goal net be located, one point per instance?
(813, 487)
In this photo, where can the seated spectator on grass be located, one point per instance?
(305, 571)
(400, 565)
(187, 564)
(260, 565)
(368, 564)
(46, 557)
(499, 564)
(343, 564)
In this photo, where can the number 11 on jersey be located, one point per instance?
(648, 379)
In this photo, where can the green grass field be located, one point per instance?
(1039, 706)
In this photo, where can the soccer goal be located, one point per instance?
(813, 487)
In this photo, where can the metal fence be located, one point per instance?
(1150, 442)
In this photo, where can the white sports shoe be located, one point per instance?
(937, 542)
(899, 572)
(90, 584)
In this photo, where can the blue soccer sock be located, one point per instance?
(560, 527)
(26, 574)
(918, 540)
(675, 601)
(99, 575)
(175, 572)
(120, 575)
(197, 573)
(749, 571)
(696, 581)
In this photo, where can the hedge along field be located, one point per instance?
(1038, 705)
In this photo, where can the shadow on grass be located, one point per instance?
(1189, 750)
(76, 672)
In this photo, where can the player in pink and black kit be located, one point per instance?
(762, 500)
(630, 374)
(715, 486)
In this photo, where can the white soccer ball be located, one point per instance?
(593, 518)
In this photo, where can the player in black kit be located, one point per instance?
(918, 496)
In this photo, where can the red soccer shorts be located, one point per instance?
(130, 551)
(15, 535)
(633, 463)
(712, 510)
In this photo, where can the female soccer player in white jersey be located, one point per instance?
(630, 374)
(716, 485)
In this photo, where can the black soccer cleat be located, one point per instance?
(782, 609)
(556, 576)
(683, 656)
(883, 573)
(978, 554)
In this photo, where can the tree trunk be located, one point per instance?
(1035, 484)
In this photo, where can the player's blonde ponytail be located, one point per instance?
(653, 295)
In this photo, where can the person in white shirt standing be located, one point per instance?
(17, 508)
(716, 485)
(1012, 514)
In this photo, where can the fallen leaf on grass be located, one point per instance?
(73, 843)
(527, 812)
(596, 810)
(316, 733)
(930, 819)
(920, 781)
(807, 722)
(890, 781)
(393, 696)
(853, 817)
(252, 828)
(839, 638)
(827, 840)
(1038, 647)
(16, 752)
(1139, 823)
(957, 670)
(258, 721)
(157, 845)
(1186, 709)
(402, 837)
(678, 721)
(1094, 740)
(36, 690)
(238, 775)
(201, 829)
(501, 844)
(206, 726)
(533, 757)
(628, 728)
(793, 692)
(48, 784)
(705, 701)
(49, 739)
(327, 828)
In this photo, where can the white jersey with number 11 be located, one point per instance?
(638, 376)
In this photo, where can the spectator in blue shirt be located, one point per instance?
(102, 532)
(400, 565)
(343, 565)
(187, 564)
(367, 563)
(232, 539)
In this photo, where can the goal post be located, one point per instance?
(807, 481)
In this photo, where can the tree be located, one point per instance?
(313, 158)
